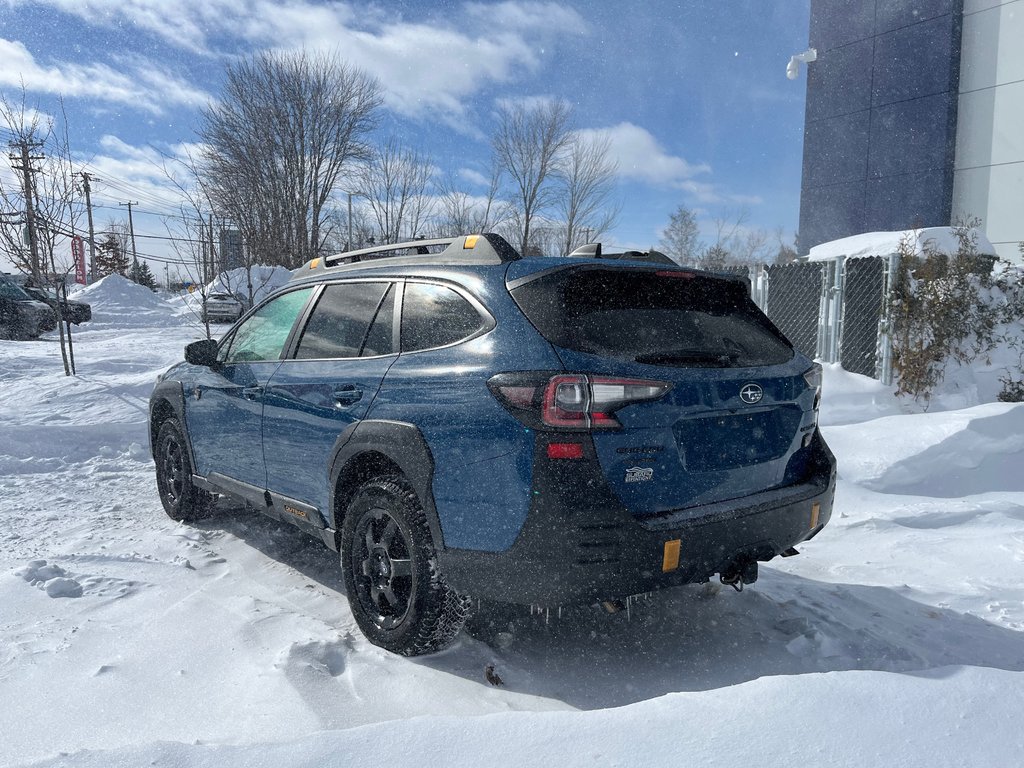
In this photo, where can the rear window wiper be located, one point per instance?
(700, 357)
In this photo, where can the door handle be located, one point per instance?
(347, 394)
(252, 393)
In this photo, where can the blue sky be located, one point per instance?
(692, 94)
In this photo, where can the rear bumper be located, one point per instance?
(580, 545)
(221, 316)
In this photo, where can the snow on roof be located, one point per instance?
(942, 239)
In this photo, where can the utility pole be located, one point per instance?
(133, 273)
(86, 178)
(213, 254)
(25, 145)
(348, 243)
(131, 228)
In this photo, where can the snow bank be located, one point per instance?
(850, 397)
(265, 280)
(942, 239)
(835, 719)
(116, 300)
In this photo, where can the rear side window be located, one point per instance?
(435, 316)
(339, 324)
(650, 317)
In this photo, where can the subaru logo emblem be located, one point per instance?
(751, 393)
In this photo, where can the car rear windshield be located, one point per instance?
(9, 290)
(661, 317)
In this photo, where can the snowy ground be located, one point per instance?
(895, 639)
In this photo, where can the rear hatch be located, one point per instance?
(738, 404)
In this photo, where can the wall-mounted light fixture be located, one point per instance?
(793, 68)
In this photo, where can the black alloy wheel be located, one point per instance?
(397, 595)
(181, 498)
(385, 582)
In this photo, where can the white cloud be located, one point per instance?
(473, 177)
(528, 17)
(432, 66)
(641, 157)
(124, 171)
(424, 67)
(185, 23)
(141, 84)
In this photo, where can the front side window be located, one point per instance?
(435, 316)
(339, 324)
(263, 335)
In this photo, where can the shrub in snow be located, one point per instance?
(953, 308)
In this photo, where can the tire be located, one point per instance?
(398, 597)
(182, 500)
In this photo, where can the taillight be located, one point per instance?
(572, 401)
(813, 378)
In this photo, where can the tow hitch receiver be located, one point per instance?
(738, 573)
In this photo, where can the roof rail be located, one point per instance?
(484, 248)
(595, 251)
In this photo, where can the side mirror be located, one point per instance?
(202, 352)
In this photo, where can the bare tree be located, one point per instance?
(338, 225)
(752, 247)
(587, 174)
(547, 237)
(713, 258)
(785, 252)
(527, 147)
(680, 240)
(190, 236)
(43, 191)
(459, 212)
(395, 182)
(276, 144)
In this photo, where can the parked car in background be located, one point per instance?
(461, 423)
(22, 317)
(73, 311)
(222, 308)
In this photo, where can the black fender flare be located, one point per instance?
(173, 394)
(400, 443)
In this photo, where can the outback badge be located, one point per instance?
(639, 474)
(751, 393)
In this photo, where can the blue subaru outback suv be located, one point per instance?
(460, 422)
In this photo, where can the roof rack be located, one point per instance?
(484, 248)
(595, 251)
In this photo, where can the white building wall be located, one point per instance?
(988, 180)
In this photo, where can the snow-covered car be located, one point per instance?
(21, 316)
(73, 311)
(222, 308)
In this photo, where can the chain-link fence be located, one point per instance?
(833, 310)
(863, 296)
(792, 300)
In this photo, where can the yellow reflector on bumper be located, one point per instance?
(670, 560)
(815, 513)
(471, 242)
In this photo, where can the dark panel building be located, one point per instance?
(230, 250)
(881, 121)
